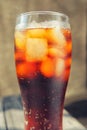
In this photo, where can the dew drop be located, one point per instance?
(49, 127)
(26, 113)
(29, 112)
(26, 122)
(32, 128)
(45, 110)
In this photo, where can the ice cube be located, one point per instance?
(53, 52)
(56, 37)
(36, 33)
(60, 37)
(47, 67)
(60, 66)
(56, 52)
(36, 49)
(26, 70)
(20, 40)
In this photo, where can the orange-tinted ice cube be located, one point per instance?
(52, 52)
(26, 70)
(56, 52)
(47, 67)
(60, 67)
(36, 33)
(20, 40)
(36, 49)
(56, 37)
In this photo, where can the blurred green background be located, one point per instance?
(76, 10)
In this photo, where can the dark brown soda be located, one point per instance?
(42, 89)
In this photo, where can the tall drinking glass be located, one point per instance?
(43, 59)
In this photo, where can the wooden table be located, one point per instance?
(11, 116)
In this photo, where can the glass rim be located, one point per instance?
(43, 13)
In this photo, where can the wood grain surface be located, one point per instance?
(12, 118)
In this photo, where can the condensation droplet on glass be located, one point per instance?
(26, 113)
(43, 104)
(53, 99)
(45, 128)
(24, 108)
(21, 78)
(53, 91)
(29, 112)
(41, 115)
(28, 81)
(45, 110)
(40, 123)
(26, 122)
(48, 97)
(37, 116)
(49, 127)
(45, 121)
(23, 102)
(32, 128)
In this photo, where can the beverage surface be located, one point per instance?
(43, 60)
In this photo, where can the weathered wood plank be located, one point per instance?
(13, 113)
(70, 123)
(13, 116)
(2, 118)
